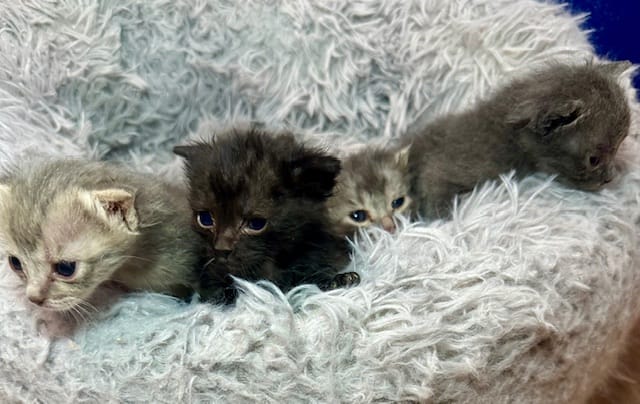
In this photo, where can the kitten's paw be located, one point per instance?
(344, 280)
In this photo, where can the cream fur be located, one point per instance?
(527, 295)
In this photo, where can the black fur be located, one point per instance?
(249, 173)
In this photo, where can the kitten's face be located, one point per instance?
(64, 250)
(577, 133)
(372, 186)
(253, 197)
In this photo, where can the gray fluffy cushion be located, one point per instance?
(525, 296)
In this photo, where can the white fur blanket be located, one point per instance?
(525, 296)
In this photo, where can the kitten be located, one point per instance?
(372, 186)
(70, 226)
(566, 120)
(258, 199)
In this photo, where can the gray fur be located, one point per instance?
(370, 180)
(552, 121)
(148, 246)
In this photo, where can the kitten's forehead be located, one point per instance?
(20, 219)
(374, 171)
(604, 125)
(69, 231)
(236, 175)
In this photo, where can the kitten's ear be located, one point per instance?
(186, 151)
(544, 121)
(115, 206)
(314, 174)
(401, 156)
(614, 69)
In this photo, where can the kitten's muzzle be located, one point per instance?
(222, 255)
(388, 224)
(37, 300)
(226, 240)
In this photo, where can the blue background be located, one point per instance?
(615, 26)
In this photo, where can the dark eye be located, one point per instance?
(256, 223)
(65, 268)
(358, 216)
(205, 219)
(15, 263)
(396, 203)
(594, 161)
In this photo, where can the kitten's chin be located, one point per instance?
(588, 186)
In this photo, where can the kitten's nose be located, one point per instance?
(37, 293)
(222, 255)
(388, 224)
(609, 174)
(39, 300)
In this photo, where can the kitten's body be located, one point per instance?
(115, 224)
(558, 121)
(371, 183)
(258, 199)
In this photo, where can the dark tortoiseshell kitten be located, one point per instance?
(259, 200)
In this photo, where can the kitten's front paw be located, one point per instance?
(344, 280)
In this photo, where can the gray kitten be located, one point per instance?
(69, 226)
(565, 120)
(372, 186)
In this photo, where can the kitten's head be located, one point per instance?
(570, 121)
(372, 186)
(63, 245)
(257, 197)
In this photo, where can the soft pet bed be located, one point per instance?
(526, 295)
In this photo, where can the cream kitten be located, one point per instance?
(372, 186)
(69, 226)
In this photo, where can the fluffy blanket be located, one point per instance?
(525, 296)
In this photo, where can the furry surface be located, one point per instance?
(526, 295)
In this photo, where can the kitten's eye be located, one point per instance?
(594, 161)
(15, 263)
(396, 203)
(65, 269)
(256, 224)
(358, 216)
(205, 219)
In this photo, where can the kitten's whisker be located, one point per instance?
(206, 264)
(86, 310)
(75, 314)
(138, 258)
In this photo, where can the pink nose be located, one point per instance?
(388, 224)
(36, 300)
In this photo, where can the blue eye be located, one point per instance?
(358, 216)
(15, 263)
(65, 268)
(396, 203)
(205, 219)
(256, 223)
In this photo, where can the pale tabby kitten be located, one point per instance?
(69, 226)
(372, 186)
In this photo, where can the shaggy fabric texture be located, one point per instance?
(525, 296)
